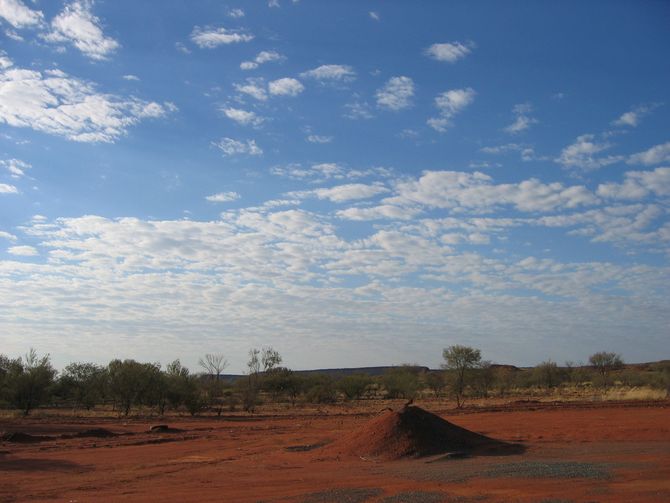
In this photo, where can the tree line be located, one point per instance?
(30, 381)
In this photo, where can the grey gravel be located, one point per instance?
(353, 495)
(549, 470)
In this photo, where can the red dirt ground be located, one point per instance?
(588, 452)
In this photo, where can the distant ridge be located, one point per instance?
(341, 372)
(420, 369)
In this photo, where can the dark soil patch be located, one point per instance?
(160, 440)
(304, 448)
(92, 433)
(42, 465)
(19, 437)
(416, 497)
(164, 428)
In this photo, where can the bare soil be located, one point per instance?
(572, 452)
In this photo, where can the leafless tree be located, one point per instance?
(213, 364)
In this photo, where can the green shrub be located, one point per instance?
(401, 382)
(354, 386)
(320, 389)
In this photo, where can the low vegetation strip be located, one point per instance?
(124, 386)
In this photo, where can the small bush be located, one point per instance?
(321, 389)
(354, 386)
(401, 382)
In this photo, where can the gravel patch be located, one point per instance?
(353, 495)
(549, 470)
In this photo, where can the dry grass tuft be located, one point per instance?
(635, 393)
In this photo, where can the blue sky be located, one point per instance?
(353, 183)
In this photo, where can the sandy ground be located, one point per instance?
(607, 452)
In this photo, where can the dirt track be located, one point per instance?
(573, 453)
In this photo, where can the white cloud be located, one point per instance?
(231, 147)
(223, 197)
(273, 4)
(243, 117)
(259, 271)
(261, 58)
(5, 62)
(182, 48)
(18, 15)
(633, 117)
(16, 167)
(522, 120)
(55, 103)
(78, 26)
(267, 56)
(298, 172)
(483, 165)
(7, 236)
(450, 103)
(638, 185)
(236, 13)
(408, 133)
(22, 251)
(8, 189)
(621, 225)
(331, 72)
(286, 87)
(13, 35)
(655, 155)
(315, 138)
(450, 51)
(131, 77)
(342, 193)
(526, 152)
(476, 191)
(381, 212)
(374, 15)
(209, 38)
(396, 94)
(358, 110)
(583, 154)
(327, 171)
(253, 88)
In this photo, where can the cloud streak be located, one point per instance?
(449, 104)
(17, 14)
(211, 38)
(78, 26)
(55, 103)
(396, 94)
(232, 147)
(451, 52)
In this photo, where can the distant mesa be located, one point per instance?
(413, 432)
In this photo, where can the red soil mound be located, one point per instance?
(414, 432)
